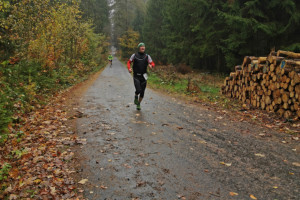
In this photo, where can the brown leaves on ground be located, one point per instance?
(38, 151)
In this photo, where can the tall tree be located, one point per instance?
(98, 11)
(152, 29)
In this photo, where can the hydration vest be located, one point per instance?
(140, 64)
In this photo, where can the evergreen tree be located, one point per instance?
(152, 33)
(97, 11)
(216, 35)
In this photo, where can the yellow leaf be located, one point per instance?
(83, 181)
(260, 155)
(233, 194)
(226, 164)
(252, 197)
(37, 180)
(275, 187)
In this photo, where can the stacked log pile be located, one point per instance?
(271, 83)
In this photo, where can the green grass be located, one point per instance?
(174, 86)
(209, 89)
(178, 85)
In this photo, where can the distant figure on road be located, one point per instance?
(110, 58)
(141, 61)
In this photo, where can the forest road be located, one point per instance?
(172, 149)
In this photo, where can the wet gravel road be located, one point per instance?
(176, 150)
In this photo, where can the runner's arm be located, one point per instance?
(150, 61)
(129, 62)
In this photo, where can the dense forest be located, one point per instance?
(47, 45)
(210, 35)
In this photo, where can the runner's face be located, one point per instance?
(142, 49)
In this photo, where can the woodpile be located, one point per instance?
(271, 83)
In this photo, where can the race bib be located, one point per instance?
(145, 76)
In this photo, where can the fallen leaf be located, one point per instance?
(83, 181)
(103, 187)
(226, 164)
(233, 194)
(37, 180)
(269, 126)
(275, 187)
(259, 155)
(8, 189)
(296, 164)
(53, 191)
(14, 173)
(13, 196)
(252, 196)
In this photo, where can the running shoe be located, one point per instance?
(138, 106)
(136, 100)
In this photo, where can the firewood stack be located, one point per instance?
(271, 83)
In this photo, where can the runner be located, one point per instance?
(110, 58)
(141, 61)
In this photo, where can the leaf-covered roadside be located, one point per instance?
(35, 159)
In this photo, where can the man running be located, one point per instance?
(110, 58)
(141, 61)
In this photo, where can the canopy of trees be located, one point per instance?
(215, 35)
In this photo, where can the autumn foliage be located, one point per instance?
(128, 43)
(44, 46)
